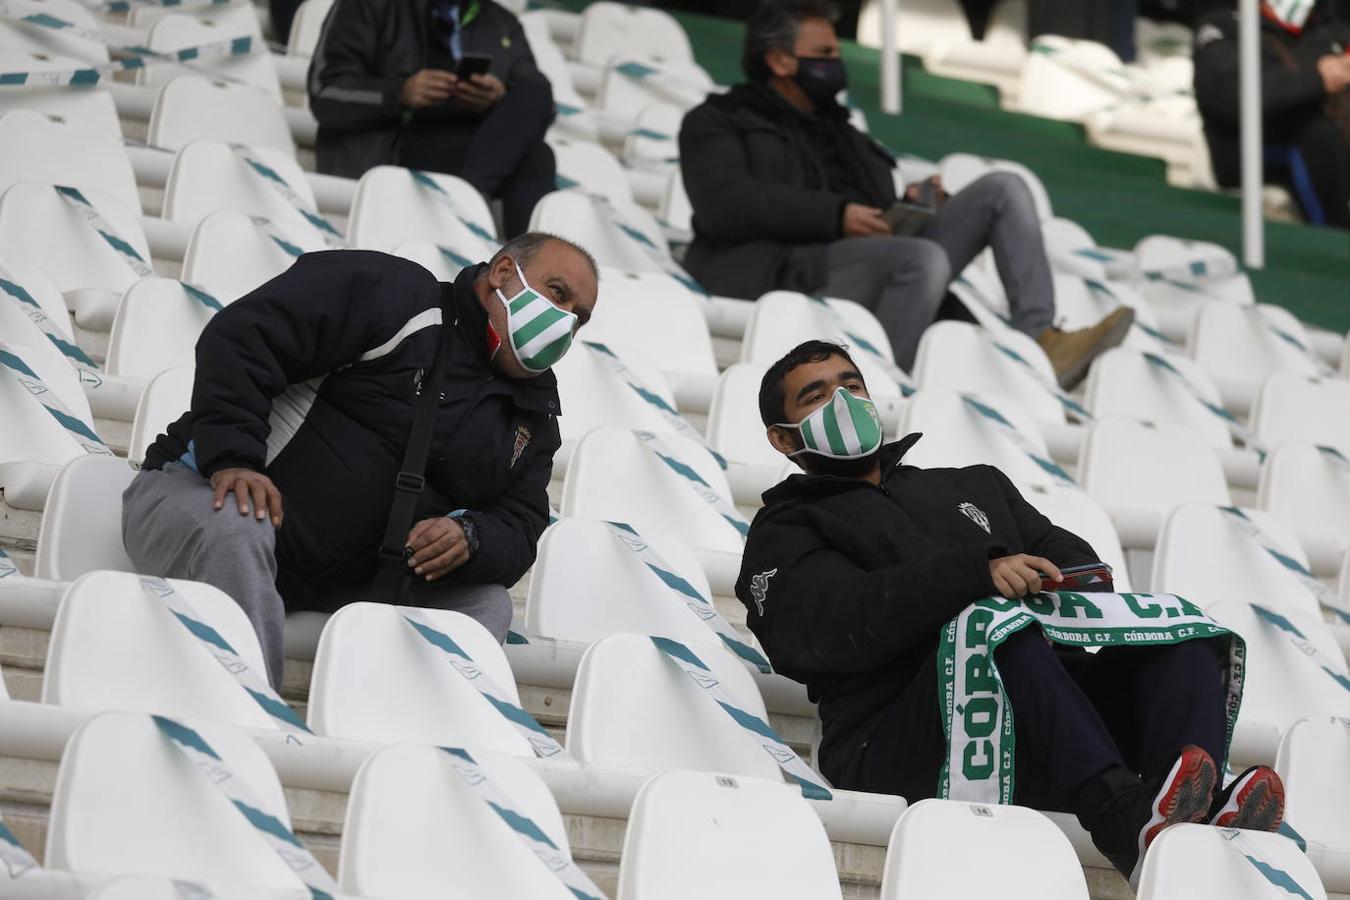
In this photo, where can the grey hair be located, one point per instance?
(525, 247)
(774, 26)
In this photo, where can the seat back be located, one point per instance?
(190, 107)
(377, 679)
(208, 176)
(587, 584)
(614, 476)
(392, 207)
(656, 316)
(1238, 344)
(1204, 555)
(608, 29)
(589, 168)
(1070, 79)
(82, 526)
(307, 27)
(1198, 861)
(172, 673)
(91, 111)
(1298, 408)
(962, 357)
(956, 435)
(739, 836)
(583, 218)
(176, 32)
(38, 147)
(1309, 491)
(1073, 510)
(632, 706)
(734, 426)
(57, 41)
(156, 329)
(415, 829)
(1021, 854)
(1124, 384)
(592, 394)
(1311, 764)
(229, 255)
(164, 400)
(124, 795)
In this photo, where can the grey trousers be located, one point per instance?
(903, 279)
(170, 530)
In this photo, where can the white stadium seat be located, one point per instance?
(175, 32)
(1070, 79)
(592, 394)
(28, 277)
(171, 673)
(1283, 682)
(92, 111)
(734, 426)
(125, 794)
(1204, 555)
(1072, 509)
(39, 148)
(191, 107)
(306, 27)
(961, 357)
(239, 16)
(633, 707)
(740, 838)
(208, 176)
(416, 830)
(229, 255)
(56, 41)
(164, 400)
(574, 115)
(630, 83)
(1311, 763)
(590, 168)
(969, 851)
(1308, 489)
(391, 208)
(377, 679)
(609, 29)
(82, 526)
(151, 887)
(1297, 408)
(156, 329)
(1241, 346)
(1124, 384)
(600, 228)
(1198, 861)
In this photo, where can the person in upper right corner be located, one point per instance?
(787, 195)
(1305, 98)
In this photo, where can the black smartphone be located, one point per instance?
(471, 64)
(1077, 577)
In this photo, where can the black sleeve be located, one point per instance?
(732, 204)
(509, 528)
(522, 68)
(824, 613)
(321, 313)
(344, 91)
(1217, 90)
(1040, 536)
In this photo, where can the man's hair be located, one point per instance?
(524, 248)
(773, 26)
(772, 400)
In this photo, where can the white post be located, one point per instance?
(890, 58)
(1249, 56)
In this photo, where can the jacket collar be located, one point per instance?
(772, 105)
(540, 393)
(804, 487)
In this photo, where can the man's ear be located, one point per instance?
(500, 273)
(780, 62)
(783, 440)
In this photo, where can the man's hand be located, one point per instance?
(1335, 71)
(864, 221)
(428, 87)
(1020, 575)
(914, 192)
(439, 547)
(246, 485)
(478, 92)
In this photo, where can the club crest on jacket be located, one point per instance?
(522, 441)
(974, 514)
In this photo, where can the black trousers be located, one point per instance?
(1076, 715)
(503, 154)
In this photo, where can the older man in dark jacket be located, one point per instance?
(1305, 101)
(305, 391)
(851, 571)
(787, 195)
(383, 86)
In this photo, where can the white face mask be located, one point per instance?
(538, 331)
(1292, 13)
(843, 427)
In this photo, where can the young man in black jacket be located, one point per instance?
(788, 196)
(383, 86)
(851, 571)
(1305, 75)
(304, 397)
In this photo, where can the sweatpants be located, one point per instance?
(902, 280)
(169, 529)
(503, 154)
(1075, 716)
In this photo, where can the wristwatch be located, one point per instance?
(470, 534)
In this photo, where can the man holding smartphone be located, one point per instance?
(852, 572)
(442, 85)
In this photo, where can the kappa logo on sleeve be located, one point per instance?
(759, 588)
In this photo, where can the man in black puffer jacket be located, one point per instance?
(852, 570)
(383, 88)
(304, 394)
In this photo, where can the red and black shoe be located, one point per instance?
(1254, 800)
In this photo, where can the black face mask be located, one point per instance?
(821, 77)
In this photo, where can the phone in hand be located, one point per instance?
(471, 64)
(1078, 577)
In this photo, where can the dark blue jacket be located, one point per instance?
(312, 379)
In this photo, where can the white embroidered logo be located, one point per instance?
(975, 514)
(759, 588)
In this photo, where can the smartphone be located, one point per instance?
(471, 64)
(1078, 577)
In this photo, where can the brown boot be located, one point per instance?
(1071, 352)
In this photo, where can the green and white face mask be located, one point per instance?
(844, 427)
(1292, 13)
(539, 332)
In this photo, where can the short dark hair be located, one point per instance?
(525, 247)
(773, 26)
(772, 400)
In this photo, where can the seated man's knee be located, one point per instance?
(934, 268)
(1005, 187)
(242, 533)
